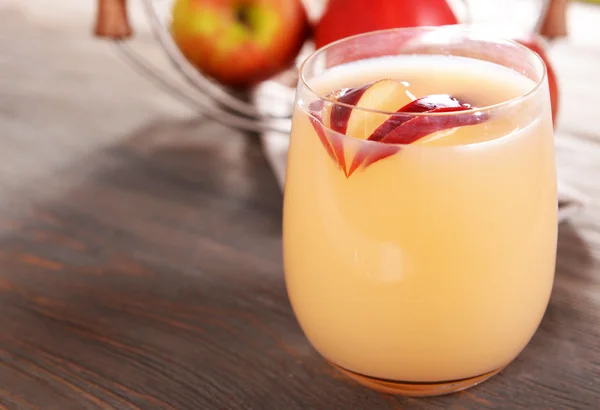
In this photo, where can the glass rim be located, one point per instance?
(459, 28)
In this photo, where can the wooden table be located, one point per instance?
(140, 252)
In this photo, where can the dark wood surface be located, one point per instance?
(140, 257)
(155, 282)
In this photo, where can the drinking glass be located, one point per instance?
(421, 268)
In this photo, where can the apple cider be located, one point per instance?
(420, 218)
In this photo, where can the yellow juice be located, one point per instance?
(435, 263)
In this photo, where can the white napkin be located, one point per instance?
(275, 144)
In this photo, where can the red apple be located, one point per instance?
(536, 43)
(239, 43)
(343, 18)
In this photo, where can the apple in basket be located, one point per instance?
(343, 18)
(239, 43)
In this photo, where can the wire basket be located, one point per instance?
(268, 106)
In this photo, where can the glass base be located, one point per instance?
(416, 389)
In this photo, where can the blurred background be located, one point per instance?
(65, 92)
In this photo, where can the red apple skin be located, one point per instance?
(332, 143)
(395, 130)
(536, 44)
(419, 127)
(340, 114)
(343, 18)
(423, 104)
(407, 131)
(239, 54)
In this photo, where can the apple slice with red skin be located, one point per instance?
(406, 129)
(421, 126)
(423, 104)
(418, 127)
(383, 96)
(361, 110)
(338, 113)
(334, 145)
(315, 108)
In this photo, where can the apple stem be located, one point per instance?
(242, 16)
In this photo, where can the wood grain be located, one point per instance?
(140, 252)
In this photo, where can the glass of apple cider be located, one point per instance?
(420, 210)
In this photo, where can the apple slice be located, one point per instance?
(423, 104)
(429, 103)
(339, 115)
(315, 109)
(406, 130)
(364, 113)
(433, 102)
(419, 127)
(320, 112)
(376, 100)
